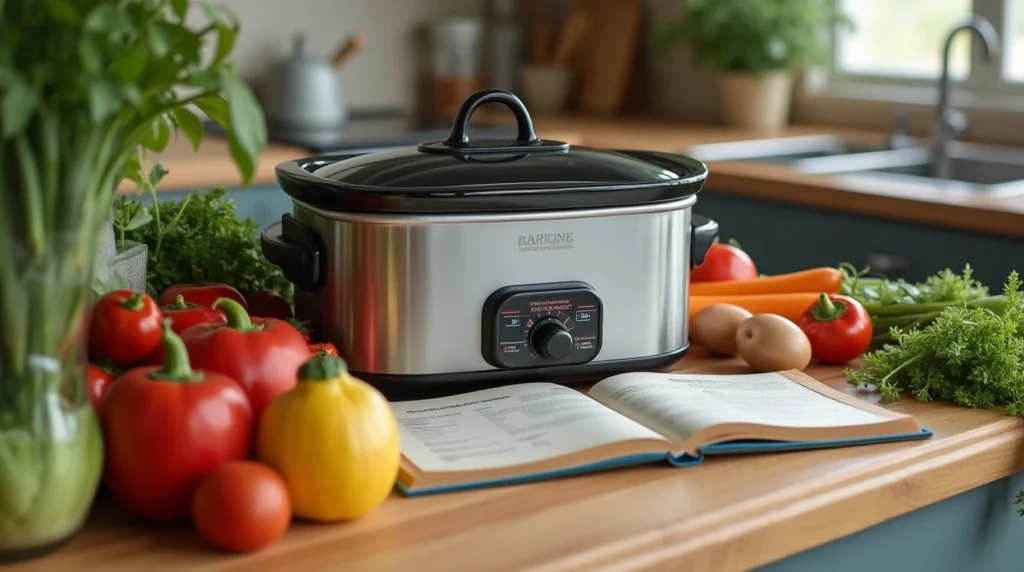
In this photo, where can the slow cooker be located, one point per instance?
(486, 262)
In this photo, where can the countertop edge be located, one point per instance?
(733, 540)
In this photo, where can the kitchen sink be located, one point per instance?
(992, 171)
(781, 149)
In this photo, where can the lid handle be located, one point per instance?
(458, 142)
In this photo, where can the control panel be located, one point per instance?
(542, 325)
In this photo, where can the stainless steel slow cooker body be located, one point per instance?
(493, 261)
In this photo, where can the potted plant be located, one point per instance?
(84, 86)
(756, 46)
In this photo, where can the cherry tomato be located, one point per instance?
(325, 348)
(838, 327)
(125, 326)
(724, 262)
(98, 380)
(242, 506)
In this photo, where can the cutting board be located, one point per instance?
(604, 64)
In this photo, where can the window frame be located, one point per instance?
(984, 88)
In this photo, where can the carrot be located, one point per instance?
(815, 280)
(789, 306)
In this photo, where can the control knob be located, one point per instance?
(550, 339)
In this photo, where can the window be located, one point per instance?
(898, 44)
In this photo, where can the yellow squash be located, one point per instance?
(334, 440)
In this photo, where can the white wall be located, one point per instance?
(383, 75)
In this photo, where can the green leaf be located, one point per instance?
(157, 40)
(104, 100)
(133, 170)
(225, 43)
(64, 12)
(180, 8)
(215, 107)
(158, 135)
(190, 125)
(16, 108)
(248, 128)
(107, 18)
(245, 162)
(140, 219)
(130, 65)
(212, 11)
(157, 174)
(89, 55)
(132, 94)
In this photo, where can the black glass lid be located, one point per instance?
(459, 175)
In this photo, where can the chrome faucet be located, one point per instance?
(949, 122)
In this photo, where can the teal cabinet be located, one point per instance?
(784, 238)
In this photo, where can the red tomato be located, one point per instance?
(724, 262)
(98, 380)
(204, 294)
(166, 428)
(125, 326)
(242, 506)
(838, 327)
(327, 348)
(262, 354)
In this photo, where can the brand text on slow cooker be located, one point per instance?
(545, 241)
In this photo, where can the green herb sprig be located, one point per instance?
(969, 355)
(204, 238)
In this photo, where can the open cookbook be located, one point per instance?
(534, 431)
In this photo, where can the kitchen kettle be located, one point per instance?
(303, 97)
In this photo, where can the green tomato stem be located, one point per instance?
(828, 310)
(133, 302)
(176, 363)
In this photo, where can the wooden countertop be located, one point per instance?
(211, 166)
(927, 204)
(727, 514)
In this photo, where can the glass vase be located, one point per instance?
(51, 447)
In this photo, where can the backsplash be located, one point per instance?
(382, 75)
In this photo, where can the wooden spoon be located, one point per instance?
(353, 45)
(574, 30)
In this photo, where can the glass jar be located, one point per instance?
(456, 66)
(51, 446)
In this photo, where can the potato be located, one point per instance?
(714, 328)
(769, 342)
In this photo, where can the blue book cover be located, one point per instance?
(540, 431)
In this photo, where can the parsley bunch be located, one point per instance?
(203, 240)
(970, 355)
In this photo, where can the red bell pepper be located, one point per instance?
(202, 293)
(268, 303)
(302, 327)
(838, 327)
(166, 427)
(183, 316)
(124, 327)
(262, 355)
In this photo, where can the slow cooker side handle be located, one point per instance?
(703, 232)
(296, 249)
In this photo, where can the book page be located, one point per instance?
(678, 405)
(508, 426)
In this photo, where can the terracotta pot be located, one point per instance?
(758, 102)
